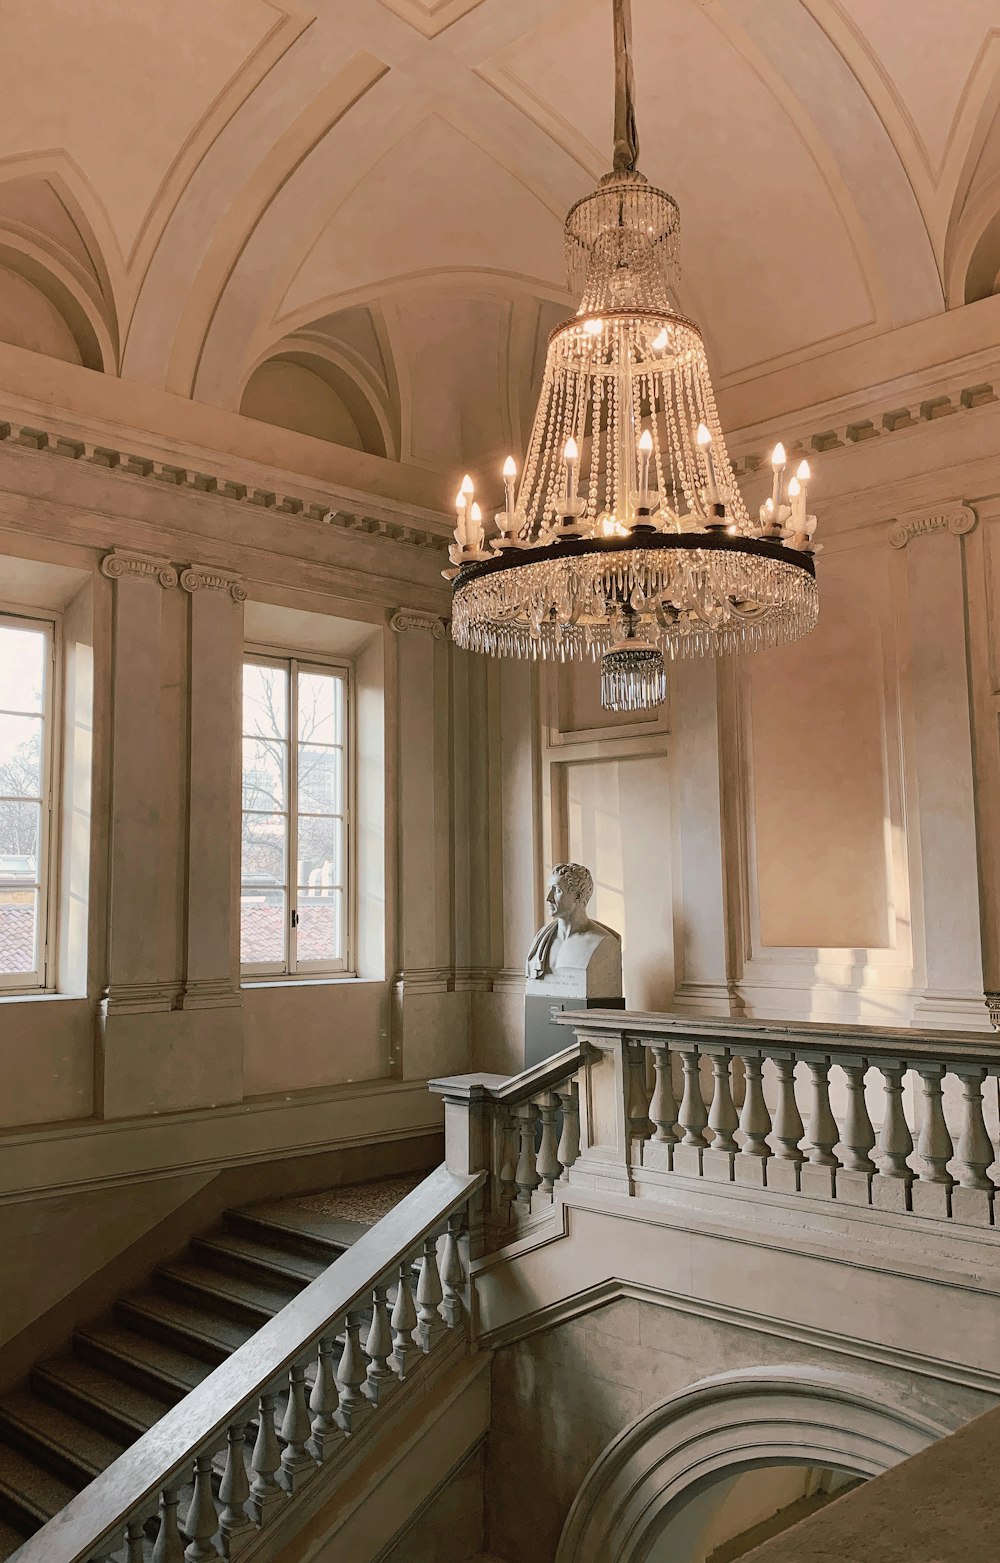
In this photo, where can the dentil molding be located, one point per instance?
(957, 519)
(416, 619)
(124, 562)
(197, 577)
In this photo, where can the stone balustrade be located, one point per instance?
(524, 1131)
(868, 1117)
(221, 1467)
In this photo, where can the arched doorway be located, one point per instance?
(733, 1423)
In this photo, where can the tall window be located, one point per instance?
(26, 811)
(294, 905)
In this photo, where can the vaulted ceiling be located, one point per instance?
(347, 215)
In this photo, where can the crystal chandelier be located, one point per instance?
(628, 537)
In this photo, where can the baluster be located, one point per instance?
(404, 1322)
(379, 1347)
(168, 1546)
(507, 1175)
(548, 1164)
(783, 1171)
(201, 1521)
(569, 1140)
(857, 1138)
(351, 1374)
(234, 1491)
(663, 1107)
(526, 1177)
(430, 1325)
(931, 1193)
(452, 1272)
(692, 1116)
(891, 1189)
(296, 1461)
(323, 1402)
(973, 1153)
(723, 1118)
(265, 1461)
(638, 1093)
(818, 1175)
(755, 1124)
(135, 1541)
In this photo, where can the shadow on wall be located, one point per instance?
(732, 1514)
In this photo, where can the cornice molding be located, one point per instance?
(957, 519)
(200, 577)
(850, 422)
(261, 487)
(417, 619)
(122, 562)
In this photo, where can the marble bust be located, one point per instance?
(572, 939)
(574, 962)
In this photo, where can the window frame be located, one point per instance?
(42, 978)
(291, 969)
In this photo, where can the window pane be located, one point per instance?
(265, 700)
(264, 762)
(321, 708)
(320, 780)
(263, 921)
(18, 922)
(22, 668)
(319, 934)
(20, 756)
(263, 850)
(19, 825)
(321, 851)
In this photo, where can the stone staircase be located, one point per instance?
(80, 1410)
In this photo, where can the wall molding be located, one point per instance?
(123, 562)
(957, 519)
(417, 619)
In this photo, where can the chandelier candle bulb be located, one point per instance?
(797, 500)
(571, 456)
(475, 529)
(509, 477)
(645, 452)
(778, 460)
(461, 530)
(704, 440)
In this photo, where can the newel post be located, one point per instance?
(473, 1142)
(607, 1107)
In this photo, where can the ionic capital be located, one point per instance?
(201, 577)
(957, 519)
(417, 619)
(122, 562)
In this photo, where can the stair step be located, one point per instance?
(99, 1398)
(295, 1230)
(11, 1537)
(239, 1254)
(254, 1300)
(30, 1494)
(141, 1359)
(56, 1439)
(204, 1332)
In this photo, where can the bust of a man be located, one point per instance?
(572, 941)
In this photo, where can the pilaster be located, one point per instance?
(940, 773)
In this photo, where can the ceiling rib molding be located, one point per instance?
(244, 213)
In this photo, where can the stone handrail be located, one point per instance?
(293, 1358)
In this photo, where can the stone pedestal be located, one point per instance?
(596, 986)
